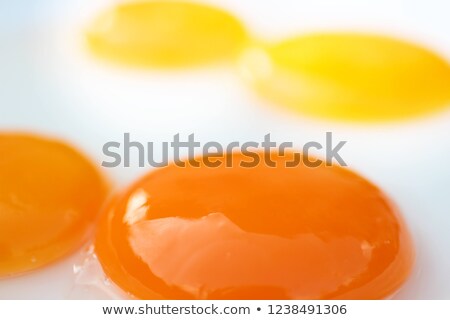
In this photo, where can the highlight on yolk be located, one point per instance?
(233, 232)
(165, 34)
(349, 76)
(49, 197)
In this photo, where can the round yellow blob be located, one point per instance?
(165, 34)
(350, 76)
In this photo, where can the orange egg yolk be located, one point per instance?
(50, 196)
(353, 77)
(165, 34)
(233, 232)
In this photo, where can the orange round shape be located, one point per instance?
(49, 198)
(260, 232)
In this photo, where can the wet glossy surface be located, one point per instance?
(49, 198)
(254, 233)
(165, 34)
(350, 76)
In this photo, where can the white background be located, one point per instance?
(49, 84)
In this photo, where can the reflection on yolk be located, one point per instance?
(49, 197)
(165, 33)
(350, 76)
(254, 233)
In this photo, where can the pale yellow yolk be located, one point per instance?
(165, 34)
(349, 76)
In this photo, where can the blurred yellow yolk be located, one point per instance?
(350, 76)
(165, 33)
(255, 232)
(49, 198)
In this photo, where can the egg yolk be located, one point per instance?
(349, 76)
(261, 232)
(49, 198)
(165, 33)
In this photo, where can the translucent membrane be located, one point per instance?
(165, 34)
(258, 232)
(349, 76)
(49, 198)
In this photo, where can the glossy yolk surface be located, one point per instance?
(254, 233)
(49, 198)
(350, 76)
(165, 33)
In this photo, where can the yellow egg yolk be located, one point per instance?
(165, 34)
(260, 232)
(50, 196)
(349, 76)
